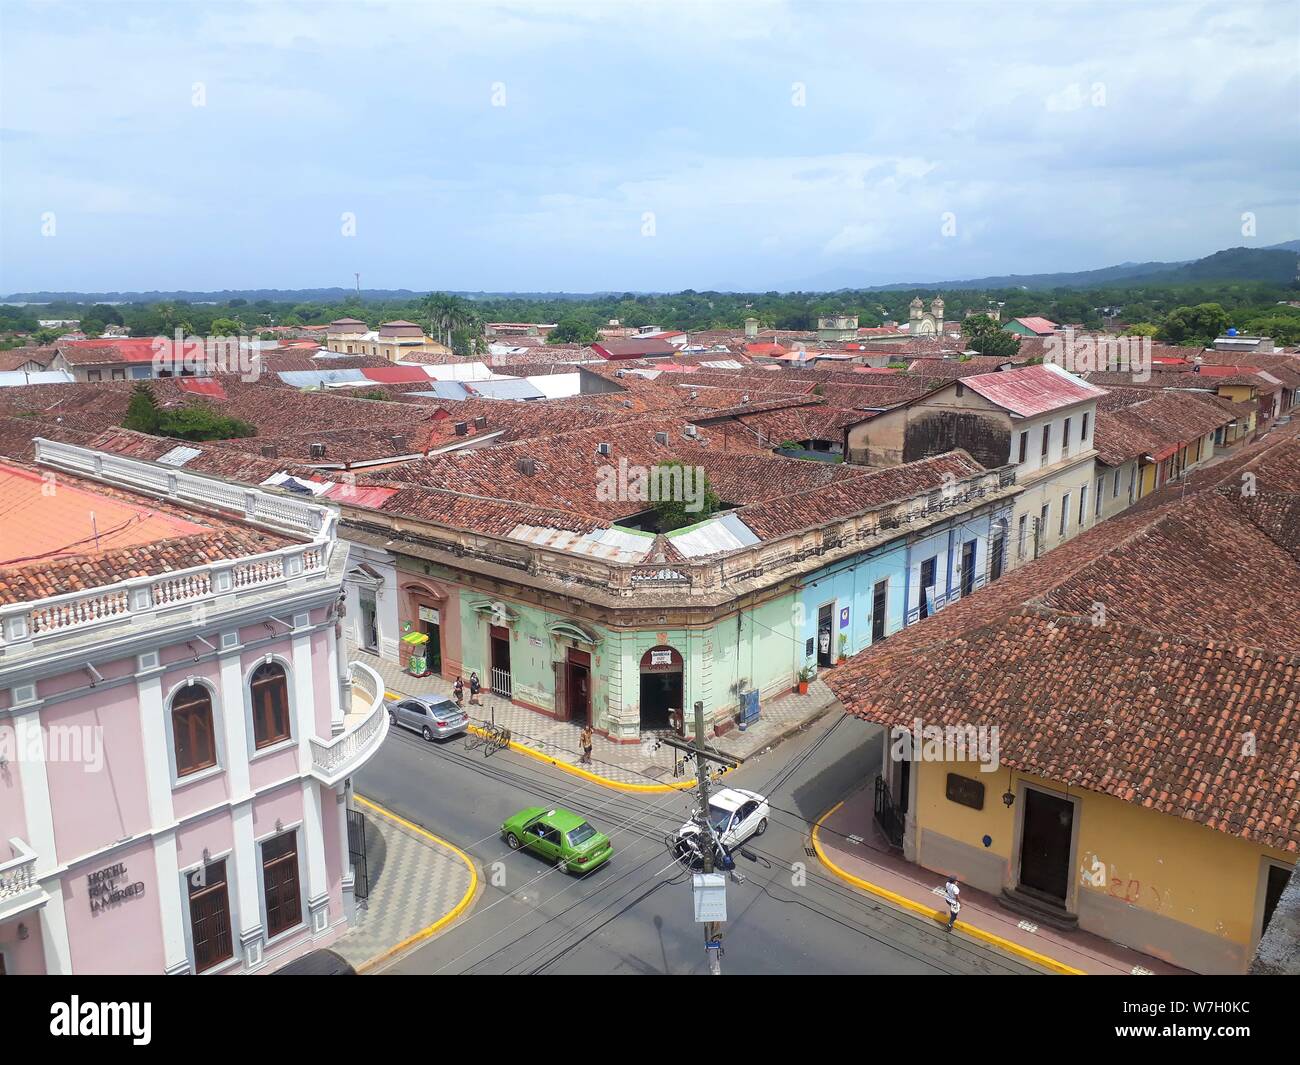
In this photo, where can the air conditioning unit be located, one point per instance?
(318, 451)
(461, 428)
(480, 422)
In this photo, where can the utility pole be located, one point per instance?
(712, 929)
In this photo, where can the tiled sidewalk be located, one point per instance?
(639, 765)
(849, 841)
(416, 885)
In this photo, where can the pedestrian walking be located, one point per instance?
(474, 687)
(458, 690)
(950, 895)
(585, 741)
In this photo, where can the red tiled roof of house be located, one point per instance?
(86, 535)
(1197, 650)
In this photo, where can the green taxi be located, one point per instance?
(560, 836)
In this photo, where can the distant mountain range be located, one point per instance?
(1278, 263)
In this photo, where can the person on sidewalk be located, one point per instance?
(458, 690)
(950, 895)
(474, 688)
(584, 741)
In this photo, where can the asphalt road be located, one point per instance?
(634, 915)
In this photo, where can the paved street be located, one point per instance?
(635, 914)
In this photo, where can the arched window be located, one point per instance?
(270, 690)
(192, 730)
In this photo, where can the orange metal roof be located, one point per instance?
(42, 520)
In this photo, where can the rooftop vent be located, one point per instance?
(620, 373)
(627, 403)
(602, 449)
(318, 451)
(691, 431)
(480, 422)
(269, 451)
(461, 428)
(398, 440)
(744, 398)
(661, 438)
(694, 394)
(527, 466)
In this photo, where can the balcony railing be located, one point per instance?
(363, 733)
(19, 888)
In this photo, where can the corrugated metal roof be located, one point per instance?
(508, 389)
(726, 533)
(178, 455)
(15, 378)
(1032, 390)
(444, 390)
(616, 545)
(317, 378)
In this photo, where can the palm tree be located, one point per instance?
(445, 314)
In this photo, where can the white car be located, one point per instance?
(735, 815)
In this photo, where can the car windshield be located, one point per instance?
(718, 817)
(581, 834)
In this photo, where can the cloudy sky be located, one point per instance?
(584, 145)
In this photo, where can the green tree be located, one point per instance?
(226, 327)
(1197, 325)
(677, 511)
(989, 338)
(142, 413)
(92, 327)
(1141, 329)
(202, 423)
(572, 330)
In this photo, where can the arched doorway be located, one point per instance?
(662, 687)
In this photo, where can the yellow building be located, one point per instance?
(392, 340)
(1106, 738)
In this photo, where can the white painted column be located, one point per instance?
(349, 874)
(337, 707)
(304, 689)
(313, 841)
(54, 934)
(234, 725)
(248, 905)
(171, 903)
(157, 760)
(35, 786)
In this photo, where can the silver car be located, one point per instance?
(432, 716)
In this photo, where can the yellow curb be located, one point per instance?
(568, 767)
(936, 915)
(423, 933)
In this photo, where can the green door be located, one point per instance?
(545, 840)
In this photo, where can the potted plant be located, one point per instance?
(805, 676)
(844, 646)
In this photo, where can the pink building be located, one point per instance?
(177, 727)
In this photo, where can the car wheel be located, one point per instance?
(427, 733)
(512, 841)
(762, 827)
(392, 718)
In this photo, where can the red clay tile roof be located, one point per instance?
(51, 545)
(1183, 698)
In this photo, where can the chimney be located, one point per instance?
(751, 328)
(318, 451)
(269, 451)
(461, 428)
